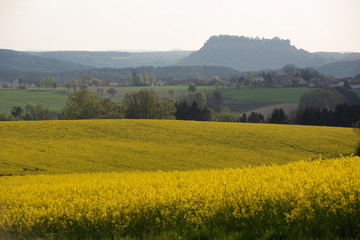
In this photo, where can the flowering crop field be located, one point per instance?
(309, 199)
(58, 147)
(114, 179)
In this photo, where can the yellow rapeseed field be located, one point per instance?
(312, 199)
(57, 147)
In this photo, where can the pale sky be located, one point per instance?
(314, 25)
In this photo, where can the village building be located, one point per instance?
(15, 83)
(336, 82)
(355, 84)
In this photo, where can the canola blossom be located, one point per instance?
(58, 147)
(309, 198)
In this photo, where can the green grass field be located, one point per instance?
(54, 100)
(42, 147)
(248, 98)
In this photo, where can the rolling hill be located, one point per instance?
(23, 62)
(341, 69)
(116, 59)
(57, 147)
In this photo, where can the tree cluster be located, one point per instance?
(31, 111)
(84, 105)
(144, 79)
(185, 111)
(48, 82)
(211, 100)
(84, 82)
(328, 97)
(304, 73)
(254, 117)
(215, 80)
(343, 115)
(357, 131)
(145, 104)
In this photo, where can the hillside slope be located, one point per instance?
(341, 69)
(114, 74)
(44, 147)
(22, 62)
(116, 59)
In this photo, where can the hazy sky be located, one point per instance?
(314, 25)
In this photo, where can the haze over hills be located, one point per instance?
(341, 69)
(117, 59)
(236, 54)
(339, 56)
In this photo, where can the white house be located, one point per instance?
(336, 82)
(15, 83)
(355, 84)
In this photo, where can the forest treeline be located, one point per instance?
(170, 73)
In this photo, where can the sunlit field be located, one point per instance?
(317, 199)
(84, 146)
(167, 179)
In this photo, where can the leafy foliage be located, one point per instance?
(144, 104)
(278, 116)
(321, 98)
(255, 117)
(84, 105)
(343, 115)
(192, 87)
(111, 91)
(192, 112)
(38, 112)
(328, 97)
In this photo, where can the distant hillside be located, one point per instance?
(115, 59)
(341, 69)
(248, 54)
(23, 62)
(115, 74)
